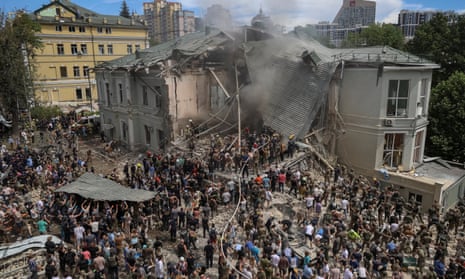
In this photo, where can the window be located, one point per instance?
(78, 93)
(101, 49)
(76, 71)
(108, 30)
(120, 90)
(148, 138)
(161, 139)
(393, 149)
(83, 48)
(107, 88)
(137, 47)
(60, 49)
(88, 93)
(129, 49)
(422, 104)
(158, 96)
(85, 70)
(145, 97)
(110, 49)
(82, 29)
(74, 49)
(412, 197)
(398, 98)
(58, 28)
(72, 29)
(99, 30)
(124, 129)
(63, 71)
(417, 156)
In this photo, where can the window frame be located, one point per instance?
(391, 146)
(394, 99)
(120, 91)
(74, 49)
(418, 147)
(78, 92)
(82, 29)
(59, 28)
(85, 71)
(63, 71)
(72, 28)
(88, 93)
(84, 48)
(76, 71)
(101, 49)
(60, 49)
(110, 49)
(129, 49)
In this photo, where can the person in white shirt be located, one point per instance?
(309, 230)
(159, 268)
(362, 272)
(274, 261)
(347, 273)
(79, 235)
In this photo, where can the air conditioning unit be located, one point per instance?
(387, 122)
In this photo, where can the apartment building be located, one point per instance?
(409, 20)
(75, 40)
(167, 20)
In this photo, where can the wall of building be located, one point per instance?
(51, 85)
(134, 110)
(363, 106)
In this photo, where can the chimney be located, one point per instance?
(105, 20)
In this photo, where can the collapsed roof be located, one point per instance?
(289, 75)
(95, 187)
(190, 45)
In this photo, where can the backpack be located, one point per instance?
(212, 234)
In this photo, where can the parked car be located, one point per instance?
(90, 122)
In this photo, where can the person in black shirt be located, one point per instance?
(209, 251)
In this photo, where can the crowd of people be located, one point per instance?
(350, 226)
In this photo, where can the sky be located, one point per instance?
(288, 13)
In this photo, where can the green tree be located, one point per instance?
(43, 113)
(18, 42)
(441, 40)
(124, 12)
(376, 35)
(446, 132)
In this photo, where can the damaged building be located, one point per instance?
(366, 108)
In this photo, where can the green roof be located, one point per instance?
(83, 16)
(188, 45)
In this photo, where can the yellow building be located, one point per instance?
(75, 40)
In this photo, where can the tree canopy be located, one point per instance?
(124, 12)
(376, 35)
(441, 40)
(447, 119)
(18, 43)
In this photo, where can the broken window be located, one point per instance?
(398, 94)
(148, 138)
(120, 90)
(422, 104)
(124, 130)
(417, 156)
(393, 150)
